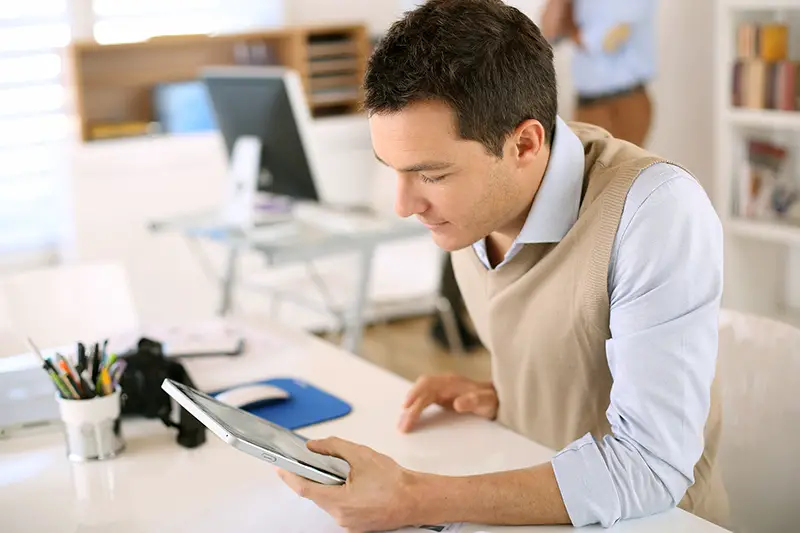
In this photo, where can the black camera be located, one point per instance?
(146, 369)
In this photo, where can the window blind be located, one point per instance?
(36, 122)
(34, 125)
(117, 21)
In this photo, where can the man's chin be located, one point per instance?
(449, 242)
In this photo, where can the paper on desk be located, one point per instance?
(207, 336)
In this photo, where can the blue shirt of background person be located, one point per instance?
(603, 64)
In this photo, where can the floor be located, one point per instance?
(406, 348)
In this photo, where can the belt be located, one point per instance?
(599, 98)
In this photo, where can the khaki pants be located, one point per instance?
(626, 115)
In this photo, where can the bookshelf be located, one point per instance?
(113, 83)
(757, 150)
(764, 118)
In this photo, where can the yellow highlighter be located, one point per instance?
(105, 381)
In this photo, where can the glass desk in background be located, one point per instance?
(300, 237)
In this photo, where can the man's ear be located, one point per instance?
(529, 138)
(616, 37)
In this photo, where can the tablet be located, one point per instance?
(258, 437)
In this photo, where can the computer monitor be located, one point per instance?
(268, 103)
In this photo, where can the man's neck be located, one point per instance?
(500, 241)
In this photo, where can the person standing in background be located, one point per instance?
(613, 62)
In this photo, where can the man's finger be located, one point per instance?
(413, 412)
(486, 404)
(343, 449)
(482, 403)
(466, 403)
(416, 390)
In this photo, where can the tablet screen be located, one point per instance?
(263, 433)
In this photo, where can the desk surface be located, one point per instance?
(156, 486)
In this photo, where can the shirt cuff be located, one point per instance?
(586, 485)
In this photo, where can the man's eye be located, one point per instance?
(432, 179)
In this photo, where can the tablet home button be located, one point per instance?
(268, 457)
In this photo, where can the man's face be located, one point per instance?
(455, 187)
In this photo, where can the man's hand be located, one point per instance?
(554, 18)
(451, 392)
(379, 495)
(616, 37)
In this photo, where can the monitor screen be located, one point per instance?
(257, 101)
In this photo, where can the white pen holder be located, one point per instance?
(92, 427)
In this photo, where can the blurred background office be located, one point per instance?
(105, 128)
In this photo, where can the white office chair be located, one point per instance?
(759, 367)
(58, 306)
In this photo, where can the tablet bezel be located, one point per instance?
(240, 442)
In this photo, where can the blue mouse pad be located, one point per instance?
(307, 405)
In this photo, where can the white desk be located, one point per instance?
(301, 241)
(156, 486)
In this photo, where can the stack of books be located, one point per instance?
(767, 189)
(764, 76)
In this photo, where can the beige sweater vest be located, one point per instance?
(544, 316)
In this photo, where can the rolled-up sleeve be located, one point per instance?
(596, 18)
(665, 286)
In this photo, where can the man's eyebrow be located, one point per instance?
(422, 166)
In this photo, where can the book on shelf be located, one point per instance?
(764, 76)
(759, 84)
(768, 42)
(767, 188)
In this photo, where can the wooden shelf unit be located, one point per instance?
(114, 83)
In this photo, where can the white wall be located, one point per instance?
(682, 128)
(683, 93)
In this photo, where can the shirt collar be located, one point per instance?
(555, 208)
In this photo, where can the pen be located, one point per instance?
(88, 374)
(69, 383)
(117, 369)
(62, 388)
(95, 363)
(51, 371)
(81, 357)
(72, 372)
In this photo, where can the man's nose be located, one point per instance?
(408, 202)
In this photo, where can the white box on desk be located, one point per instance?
(27, 395)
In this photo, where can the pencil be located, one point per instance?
(65, 393)
(52, 372)
(70, 383)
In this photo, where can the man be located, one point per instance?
(592, 272)
(613, 60)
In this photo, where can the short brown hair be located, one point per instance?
(487, 60)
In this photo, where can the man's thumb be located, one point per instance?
(332, 446)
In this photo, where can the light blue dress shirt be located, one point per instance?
(595, 72)
(665, 286)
